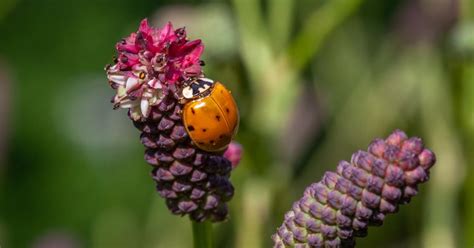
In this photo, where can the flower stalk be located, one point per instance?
(202, 234)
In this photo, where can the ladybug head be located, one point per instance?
(197, 87)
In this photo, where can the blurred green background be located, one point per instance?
(315, 80)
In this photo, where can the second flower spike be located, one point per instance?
(340, 207)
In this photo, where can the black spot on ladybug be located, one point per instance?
(218, 117)
(212, 142)
(192, 111)
(190, 128)
(221, 136)
(204, 130)
(227, 110)
(201, 143)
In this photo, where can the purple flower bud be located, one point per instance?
(329, 231)
(330, 179)
(165, 124)
(165, 143)
(391, 193)
(198, 176)
(377, 219)
(414, 145)
(416, 176)
(408, 160)
(183, 153)
(197, 193)
(409, 192)
(162, 157)
(344, 203)
(335, 199)
(396, 138)
(394, 175)
(187, 206)
(363, 212)
(315, 240)
(211, 202)
(363, 160)
(181, 186)
(179, 169)
(427, 159)
(379, 167)
(391, 153)
(375, 184)
(163, 175)
(370, 199)
(333, 243)
(377, 147)
(148, 140)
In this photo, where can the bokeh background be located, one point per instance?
(315, 81)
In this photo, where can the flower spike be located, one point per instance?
(340, 207)
(148, 76)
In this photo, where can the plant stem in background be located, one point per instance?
(310, 39)
(202, 234)
(268, 68)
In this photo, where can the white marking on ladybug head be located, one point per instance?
(188, 92)
(204, 88)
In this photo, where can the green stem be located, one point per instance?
(202, 233)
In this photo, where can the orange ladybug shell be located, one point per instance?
(212, 121)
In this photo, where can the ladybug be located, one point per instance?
(210, 114)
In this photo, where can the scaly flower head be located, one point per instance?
(150, 63)
(360, 193)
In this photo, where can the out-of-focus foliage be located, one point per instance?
(315, 81)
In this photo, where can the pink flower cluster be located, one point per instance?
(150, 63)
(234, 153)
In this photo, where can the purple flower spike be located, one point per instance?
(359, 194)
(148, 76)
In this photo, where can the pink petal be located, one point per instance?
(144, 27)
(178, 50)
(194, 70)
(167, 34)
(194, 56)
(173, 74)
(126, 47)
(127, 61)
